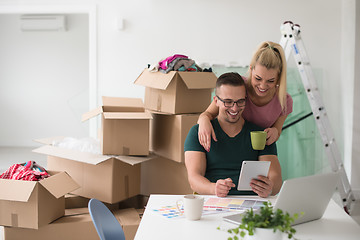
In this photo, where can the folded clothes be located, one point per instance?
(165, 63)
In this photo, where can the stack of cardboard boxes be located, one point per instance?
(40, 210)
(141, 154)
(76, 223)
(175, 100)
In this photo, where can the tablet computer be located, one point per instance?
(251, 170)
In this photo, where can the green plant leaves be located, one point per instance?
(267, 218)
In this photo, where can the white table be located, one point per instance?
(334, 225)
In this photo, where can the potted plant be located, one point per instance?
(268, 221)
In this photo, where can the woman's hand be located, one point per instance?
(272, 135)
(205, 133)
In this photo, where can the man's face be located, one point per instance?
(231, 102)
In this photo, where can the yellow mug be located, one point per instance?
(258, 139)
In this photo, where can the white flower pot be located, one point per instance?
(265, 233)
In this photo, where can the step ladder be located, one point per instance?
(292, 44)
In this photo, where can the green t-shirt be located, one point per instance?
(227, 154)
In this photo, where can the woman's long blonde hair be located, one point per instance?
(271, 55)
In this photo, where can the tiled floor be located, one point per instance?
(11, 155)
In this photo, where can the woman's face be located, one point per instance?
(264, 80)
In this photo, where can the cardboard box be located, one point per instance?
(76, 224)
(129, 220)
(162, 176)
(138, 202)
(177, 92)
(168, 134)
(107, 178)
(124, 127)
(76, 201)
(32, 204)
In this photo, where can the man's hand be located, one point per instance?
(262, 186)
(223, 186)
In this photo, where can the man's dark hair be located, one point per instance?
(231, 78)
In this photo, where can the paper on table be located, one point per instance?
(232, 204)
(213, 205)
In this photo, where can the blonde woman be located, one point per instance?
(267, 102)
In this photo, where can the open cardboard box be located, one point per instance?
(177, 92)
(32, 204)
(107, 178)
(168, 134)
(76, 224)
(163, 176)
(124, 126)
(76, 201)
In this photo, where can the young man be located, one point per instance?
(217, 171)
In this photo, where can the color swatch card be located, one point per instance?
(212, 205)
(169, 211)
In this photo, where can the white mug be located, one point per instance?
(193, 206)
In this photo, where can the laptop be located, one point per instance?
(309, 195)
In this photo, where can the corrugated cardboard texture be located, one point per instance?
(119, 104)
(177, 92)
(75, 202)
(125, 136)
(198, 80)
(161, 100)
(129, 220)
(41, 207)
(59, 184)
(125, 126)
(137, 202)
(24, 190)
(168, 134)
(193, 80)
(70, 227)
(163, 176)
(155, 80)
(109, 181)
(116, 104)
(77, 224)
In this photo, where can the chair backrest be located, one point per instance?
(107, 226)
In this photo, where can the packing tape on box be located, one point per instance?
(159, 101)
(14, 220)
(126, 182)
(126, 151)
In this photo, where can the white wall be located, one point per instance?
(216, 32)
(355, 164)
(43, 81)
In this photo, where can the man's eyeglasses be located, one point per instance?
(230, 103)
